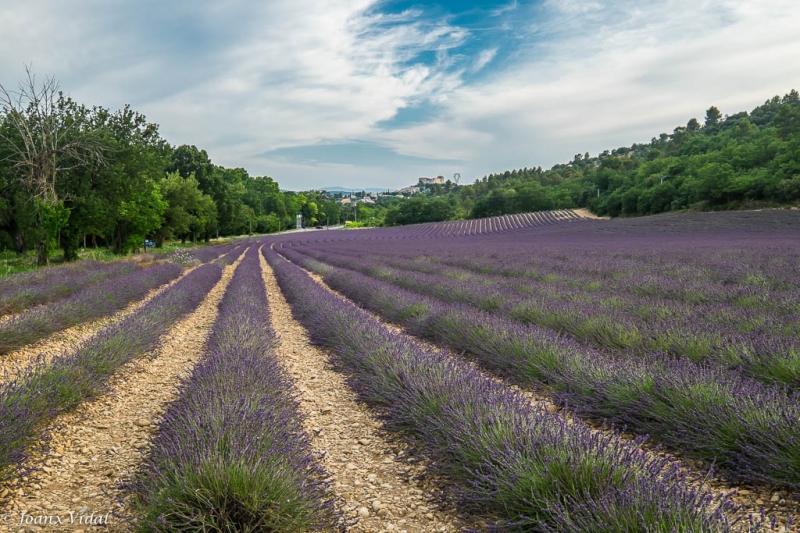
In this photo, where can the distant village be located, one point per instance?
(348, 198)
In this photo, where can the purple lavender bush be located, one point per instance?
(35, 397)
(91, 303)
(515, 463)
(230, 453)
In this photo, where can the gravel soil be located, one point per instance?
(76, 477)
(382, 487)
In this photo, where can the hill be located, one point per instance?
(740, 161)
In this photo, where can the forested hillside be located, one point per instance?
(745, 160)
(72, 174)
(737, 161)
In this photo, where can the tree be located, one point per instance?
(787, 121)
(46, 141)
(712, 117)
(185, 207)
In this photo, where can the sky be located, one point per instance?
(365, 93)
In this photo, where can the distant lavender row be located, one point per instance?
(747, 428)
(707, 333)
(17, 297)
(45, 390)
(93, 302)
(208, 253)
(519, 465)
(699, 227)
(230, 453)
(230, 256)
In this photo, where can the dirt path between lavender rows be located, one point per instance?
(377, 486)
(101, 443)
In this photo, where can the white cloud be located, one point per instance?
(484, 58)
(616, 77)
(512, 6)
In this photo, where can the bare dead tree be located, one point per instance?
(43, 140)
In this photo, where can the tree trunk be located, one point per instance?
(117, 243)
(43, 251)
(19, 242)
(70, 243)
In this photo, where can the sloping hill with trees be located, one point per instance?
(741, 161)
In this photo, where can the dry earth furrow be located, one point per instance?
(777, 504)
(69, 339)
(369, 468)
(92, 449)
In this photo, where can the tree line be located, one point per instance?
(73, 176)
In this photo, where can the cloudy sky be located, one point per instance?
(365, 93)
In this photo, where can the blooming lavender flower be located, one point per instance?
(48, 285)
(747, 428)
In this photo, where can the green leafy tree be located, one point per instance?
(186, 210)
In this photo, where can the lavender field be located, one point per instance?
(684, 329)
(534, 373)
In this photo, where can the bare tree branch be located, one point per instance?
(43, 139)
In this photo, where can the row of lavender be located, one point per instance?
(506, 459)
(35, 397)
(747, 428)
(22, 291)
(484, 226)
(230, 453)
(761, 340)
(89, 300)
